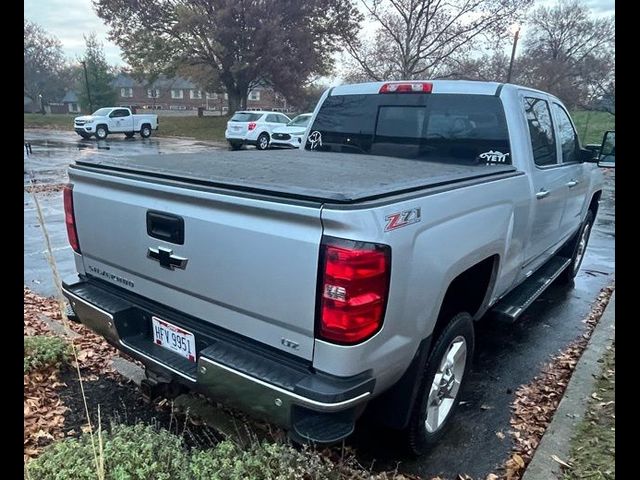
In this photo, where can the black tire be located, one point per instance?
(129, 134)
(145, 130)
(263, 141)
(577, 250)
(102, 132)
(458, 333)
(235, 146)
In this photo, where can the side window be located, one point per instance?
(543, 141)
(283, 119)
(272, 118)
(119, 113)
(567, 136)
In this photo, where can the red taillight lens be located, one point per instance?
(353, 290)
(252, 125)
(70, 218)
(409, 87)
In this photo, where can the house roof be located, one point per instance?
(70, 97)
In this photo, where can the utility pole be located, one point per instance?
(513, 51)
(86, 79)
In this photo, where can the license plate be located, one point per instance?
(237, 129)
(174, 338)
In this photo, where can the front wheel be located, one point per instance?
(263, 141)
(101, 132)
(444, 378)
(145, 131)
(579, 247)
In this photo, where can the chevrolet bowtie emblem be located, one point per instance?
(166, 258)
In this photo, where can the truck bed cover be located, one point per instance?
(316, 176)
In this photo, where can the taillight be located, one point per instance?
(70, 218)
(353, 291)
(408, 87)
(252, 125)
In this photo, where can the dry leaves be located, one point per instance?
(535, 403)
(44, 188)
(43, 409)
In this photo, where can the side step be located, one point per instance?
(510, 307)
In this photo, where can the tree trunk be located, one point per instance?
(237, 97)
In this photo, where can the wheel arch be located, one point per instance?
(393, 407)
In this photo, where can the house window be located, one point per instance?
(196, 94)
(212, 96)
(177, 107)
(176, 93)
(226, 96)
(153, 93)
(126, 92)
(255, 96)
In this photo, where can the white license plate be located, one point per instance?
(174, 338)
(237, 129)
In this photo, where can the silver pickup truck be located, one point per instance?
(308, 286)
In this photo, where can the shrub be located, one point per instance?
(41, 351)
(139, 452)
(143, 452)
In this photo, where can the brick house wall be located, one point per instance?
(182, 94)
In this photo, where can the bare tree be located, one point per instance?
(44, 65)
(422, 38)
(568, 52)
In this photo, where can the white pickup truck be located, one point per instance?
(108, 120)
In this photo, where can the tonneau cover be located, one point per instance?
(323, 176)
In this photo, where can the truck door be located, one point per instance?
(576, 185)
(120, 120)
(548, 180)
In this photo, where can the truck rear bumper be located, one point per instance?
(235, 371)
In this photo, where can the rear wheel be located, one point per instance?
(444, 378)
(129, 134)
(263, 141)
(235, 145)
(579, 248)
(145, 130)
(102, 132)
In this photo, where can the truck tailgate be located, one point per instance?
(251, 265)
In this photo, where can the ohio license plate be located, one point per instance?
(174, 338)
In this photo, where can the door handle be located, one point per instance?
(542, 193)
(572, 183)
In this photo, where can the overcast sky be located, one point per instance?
(69, 20)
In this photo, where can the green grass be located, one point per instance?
(591, 125)
(593, 447)
(200, 128)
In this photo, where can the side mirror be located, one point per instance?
(588, 155)
(608, 150)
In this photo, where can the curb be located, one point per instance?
(571, 410)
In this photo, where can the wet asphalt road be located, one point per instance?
(507, 356)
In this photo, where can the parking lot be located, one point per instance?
(507, 355)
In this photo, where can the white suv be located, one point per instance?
(253, 128)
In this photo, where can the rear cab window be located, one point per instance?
(453, 128)
(245, 117)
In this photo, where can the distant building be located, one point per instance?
(182, 94)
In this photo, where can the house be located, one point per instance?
(71, 102)
(179, 93)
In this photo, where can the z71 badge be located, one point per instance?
(402, 219)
